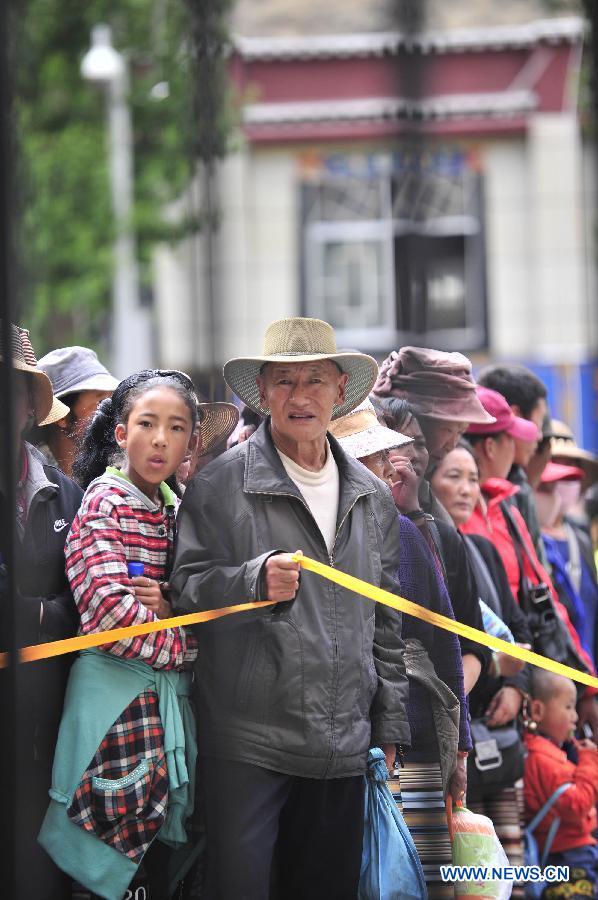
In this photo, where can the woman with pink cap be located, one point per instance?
(497, 518)
(496, 699)
(494, 450)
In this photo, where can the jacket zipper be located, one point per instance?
(334, 638)
(342, 522)
(301, 501)
(331, 559)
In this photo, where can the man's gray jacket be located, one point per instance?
(296, 687)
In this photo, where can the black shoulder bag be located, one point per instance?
(496, 761)
(550, 635)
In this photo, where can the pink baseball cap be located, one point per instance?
(559, 472)
(506, 420)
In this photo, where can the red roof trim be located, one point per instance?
(349, 131)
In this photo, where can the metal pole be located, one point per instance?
(591, 11)
(208, 144)
(211, 244)
(131, 325)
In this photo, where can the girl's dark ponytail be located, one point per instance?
(98, 446)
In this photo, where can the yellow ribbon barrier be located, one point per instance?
(362, 588)
(98, 639)
(427, 615)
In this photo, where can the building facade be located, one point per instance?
(430, 189)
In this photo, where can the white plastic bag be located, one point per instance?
(475, 844)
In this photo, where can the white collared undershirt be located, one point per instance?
(320, 492)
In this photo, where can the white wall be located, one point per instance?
(259, 265)
(256, 266)
(557, 237)
(540, 265)
(507, 203)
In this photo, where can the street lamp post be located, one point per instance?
(131, 337)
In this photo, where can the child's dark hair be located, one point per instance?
(99, 448)
(397, 413)
(464, 443)
(250, 417)
(516, 383)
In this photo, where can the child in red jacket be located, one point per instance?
(554, 759)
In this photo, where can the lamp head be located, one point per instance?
(102, 63)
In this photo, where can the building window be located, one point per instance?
(394, 255)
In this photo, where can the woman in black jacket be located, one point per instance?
(446, 543)
(497, 699)
(46, 504)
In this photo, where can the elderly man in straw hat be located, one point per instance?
(46, 504)
(291, 696)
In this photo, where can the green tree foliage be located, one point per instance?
(61, 128)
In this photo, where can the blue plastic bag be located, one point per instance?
(390, 866)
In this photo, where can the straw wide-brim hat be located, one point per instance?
(46, 407)
(564, 446)
(301, 340)
(217, 422)
(360, 433)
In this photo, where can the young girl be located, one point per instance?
(125, 758)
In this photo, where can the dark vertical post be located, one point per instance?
(410, 18)
(591, 10)
(209, 41)
(8, 677)
(591, 51)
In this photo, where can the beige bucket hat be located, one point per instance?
(563, 446)
(47, 408)
(360, 433)
(301, 340)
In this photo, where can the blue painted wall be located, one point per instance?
(573, 398)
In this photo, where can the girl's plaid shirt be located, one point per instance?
(112, 528)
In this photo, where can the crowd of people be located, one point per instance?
(226, 759)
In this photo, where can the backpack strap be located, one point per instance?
(548, 806)
(553, 825)
(518, 540)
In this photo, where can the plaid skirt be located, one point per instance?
(123, 795)
(419, 797)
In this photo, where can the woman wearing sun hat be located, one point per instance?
(433, 656)
(569, 549)
(81, 382)
(47, 502)
(565, 450)
(502, 523)
(441, 391)
(290, 697)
